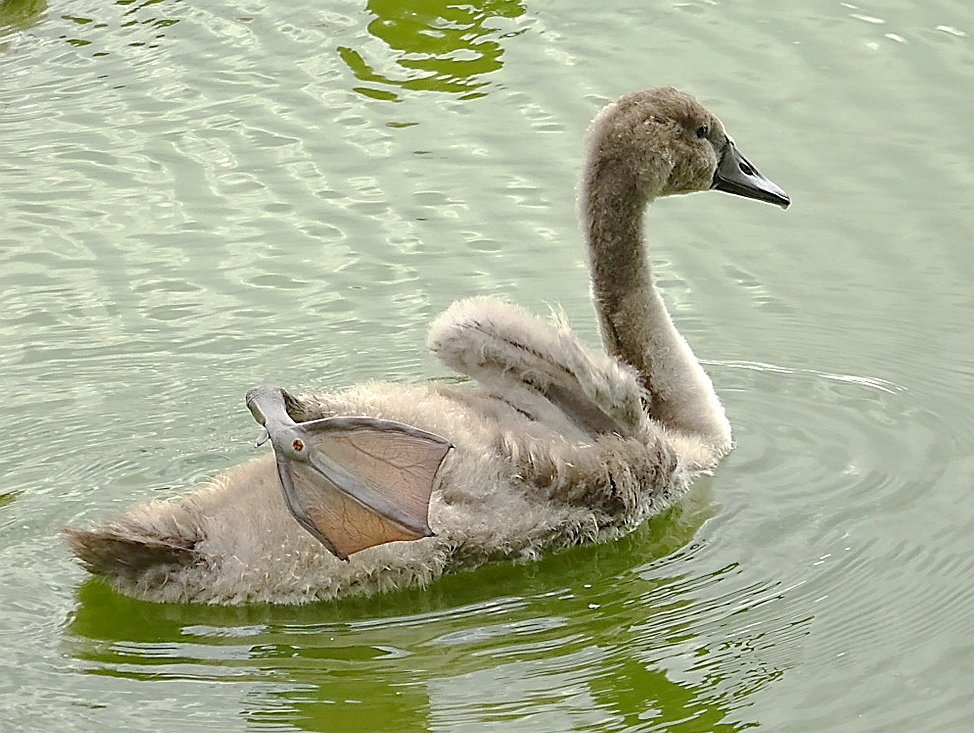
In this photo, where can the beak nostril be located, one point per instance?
(736, 175)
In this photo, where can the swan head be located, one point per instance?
(663, 142)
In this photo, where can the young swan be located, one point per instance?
(558, 444)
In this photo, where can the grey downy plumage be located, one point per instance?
(556, 443)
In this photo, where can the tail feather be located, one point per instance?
(137, 543)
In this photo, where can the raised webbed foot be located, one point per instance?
(352, 482)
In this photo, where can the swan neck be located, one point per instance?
(622, 279)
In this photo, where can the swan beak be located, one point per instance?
(736, 175)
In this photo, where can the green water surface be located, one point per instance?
(197, 197)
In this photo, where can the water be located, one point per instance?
(198, 197)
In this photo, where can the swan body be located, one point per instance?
(556, 444)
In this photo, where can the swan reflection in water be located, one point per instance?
(641, 631)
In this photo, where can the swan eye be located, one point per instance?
(703, 131)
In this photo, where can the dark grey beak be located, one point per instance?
(736, 175)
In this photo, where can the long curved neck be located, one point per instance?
(629, 306)
(636, 327)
